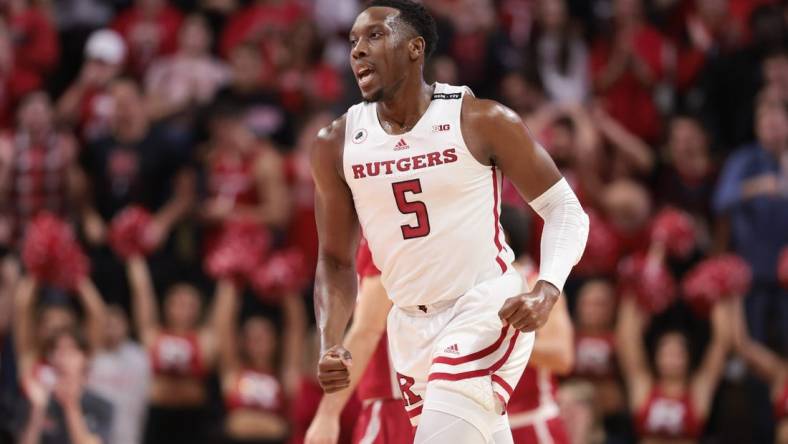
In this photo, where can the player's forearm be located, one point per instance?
(361, 341)
(564, 235)
(335, 296)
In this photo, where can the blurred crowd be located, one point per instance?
(190, 121)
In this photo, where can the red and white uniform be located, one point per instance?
(533, 411)
(255, 390)
(429, 211)
(232, 177)
(177, 355)
(667, 417)
(595, 356)
(383, 419)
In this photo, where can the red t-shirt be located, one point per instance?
(627, 100)
(148, 37)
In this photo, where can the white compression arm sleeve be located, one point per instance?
(564, 235)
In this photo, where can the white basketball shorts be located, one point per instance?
(460, 345)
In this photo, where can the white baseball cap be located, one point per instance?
(106, 45)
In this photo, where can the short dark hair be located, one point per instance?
(417, 17)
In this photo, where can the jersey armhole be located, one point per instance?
(461, 136)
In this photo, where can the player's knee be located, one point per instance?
(472, 400)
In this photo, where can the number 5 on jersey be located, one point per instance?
(422, 227)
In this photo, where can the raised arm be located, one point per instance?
(554, 348)
(293, 341)
(95, 313)
(143, 300)
(24, 324)
(369, 324)
(496, 136)
(223, 326)
(338, 233)
(628, 144)
(706, 378)
(766, 363)
(631, 351)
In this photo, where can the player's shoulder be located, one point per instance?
(486, 114)
(328, 145)
(333, 133)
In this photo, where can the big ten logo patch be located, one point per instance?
(441, 127)
(405, 386)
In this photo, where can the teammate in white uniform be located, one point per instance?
(419, 168)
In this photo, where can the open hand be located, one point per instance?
(333, 370)
(529, 311)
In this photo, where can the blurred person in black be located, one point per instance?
(730, 83)
(144, 164)
(66, 412)
(120, 373)
(251, 91)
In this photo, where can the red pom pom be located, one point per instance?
(51, 253)
(283, 273)
(602, 248)
(714, 279)
(649, 281)
(675, 229)
(238, 249)
(127, 232)
(782, 268)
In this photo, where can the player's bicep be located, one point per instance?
(335, 215)
(513, 149)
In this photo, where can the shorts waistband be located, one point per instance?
(428, 309)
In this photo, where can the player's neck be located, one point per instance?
(407, 105)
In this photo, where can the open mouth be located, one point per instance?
(364, 76)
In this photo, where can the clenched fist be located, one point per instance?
(333, 370)
(529, 311)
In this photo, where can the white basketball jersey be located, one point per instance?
(428, 209)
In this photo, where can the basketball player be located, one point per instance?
(383, 419)
(419, 168)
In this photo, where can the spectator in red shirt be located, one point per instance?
(87, 104)
(260, 22)
(34, 39)
(150, 29)
(626, 66)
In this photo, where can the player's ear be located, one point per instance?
(416, 47)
